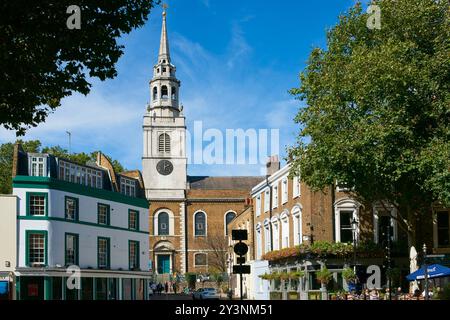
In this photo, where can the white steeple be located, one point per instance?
(164, 52)
(164, 161)
(164, 86)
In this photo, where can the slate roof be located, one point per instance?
(223, 183)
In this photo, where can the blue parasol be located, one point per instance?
(434, 271)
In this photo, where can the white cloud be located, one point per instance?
(223, 90)
(239, 48)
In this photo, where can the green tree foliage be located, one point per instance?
(43, 61)
(6, 159)
(378, 109)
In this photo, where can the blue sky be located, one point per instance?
(236, 61)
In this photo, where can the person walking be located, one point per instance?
(174, 287)
(166, 288)
(160, 288)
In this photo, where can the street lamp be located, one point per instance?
(426, 269)
(388, 257)
(230, 271)
(354, 228)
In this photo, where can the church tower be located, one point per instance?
(164, 162)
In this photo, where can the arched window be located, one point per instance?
(228, 218)
(275, 233)
(258, 241)
(267, 236)
(163, 224)
(285, 230)
(174, 93)
(200, 224)
(201, 259)
(164, 92)
(164, 143)
(155, 93)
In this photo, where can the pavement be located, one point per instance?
(170, 296)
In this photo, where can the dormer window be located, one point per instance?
(38, 166)
(128, 187)
(79, 174)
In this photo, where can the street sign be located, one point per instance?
(240, 248)
(244, 269)
(240, 260)
(239, 234)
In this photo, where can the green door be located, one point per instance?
(163, 263)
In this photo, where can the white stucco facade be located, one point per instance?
(87, 229)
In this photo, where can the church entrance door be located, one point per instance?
(163, 263)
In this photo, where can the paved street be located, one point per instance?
(172, 296)
(164, 296)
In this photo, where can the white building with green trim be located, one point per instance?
(86, 216)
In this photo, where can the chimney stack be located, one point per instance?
(273, 165)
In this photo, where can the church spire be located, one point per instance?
(164, 86)
(164, 53)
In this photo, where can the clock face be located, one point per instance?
(164, 167)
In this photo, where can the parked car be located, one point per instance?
(205, 294)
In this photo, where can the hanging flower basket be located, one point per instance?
(324, 275)
(294, 275)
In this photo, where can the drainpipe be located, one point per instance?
(186, 252)
(270, 212)
(333, 199)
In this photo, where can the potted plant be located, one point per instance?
(349, 275)
(276, 275)
(324, 275)
(284, 276)
(295, 275)
(266, 276)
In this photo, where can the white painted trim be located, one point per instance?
(296, 213)
(284, 190)
(225, 220)
(258, 241)
(285, 224)
(394, 225)
(260, 186)
(258, 205)
(201, 266)
(266, 199)
(275, 196)
(346, 204)
(171, 221)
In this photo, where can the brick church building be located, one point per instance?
(188, 215)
